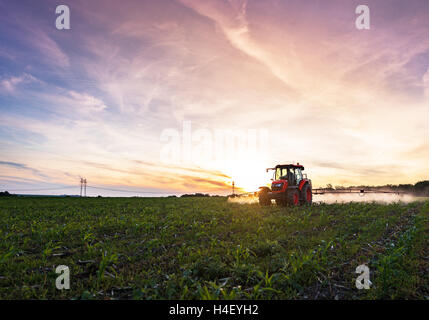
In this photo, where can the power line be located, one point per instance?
(84, 185)
(137, 191)
(129, 191)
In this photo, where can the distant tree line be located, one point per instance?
(197, 195)
(7, 194)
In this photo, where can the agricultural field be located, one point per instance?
(209, 248)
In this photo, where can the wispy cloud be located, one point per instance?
(86, 102)
(47, 47)
(94, 100)
(10, 84)
(230, 17)
(13, 164)
(21, 166)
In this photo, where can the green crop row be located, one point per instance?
(209, 248)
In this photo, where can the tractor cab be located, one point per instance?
(290, 173)
(289, 186)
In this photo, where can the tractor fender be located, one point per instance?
(264, 188)
(301, 184)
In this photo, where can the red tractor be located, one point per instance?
(289, 187)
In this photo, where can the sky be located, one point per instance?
(187, 96)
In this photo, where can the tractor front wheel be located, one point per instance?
(293, 197)
(264, 200)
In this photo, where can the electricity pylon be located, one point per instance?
(81, 185)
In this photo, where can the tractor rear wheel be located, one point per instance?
(293, 197)
(264, 200)
(307, 195)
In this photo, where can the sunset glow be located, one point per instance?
(351, 105)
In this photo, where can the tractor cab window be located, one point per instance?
(277, 174)
(291, 177)
(298, 175)
(280, 173)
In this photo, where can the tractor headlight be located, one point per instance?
(278, 185)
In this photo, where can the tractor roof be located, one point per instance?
(290, 166)
(287, 166)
